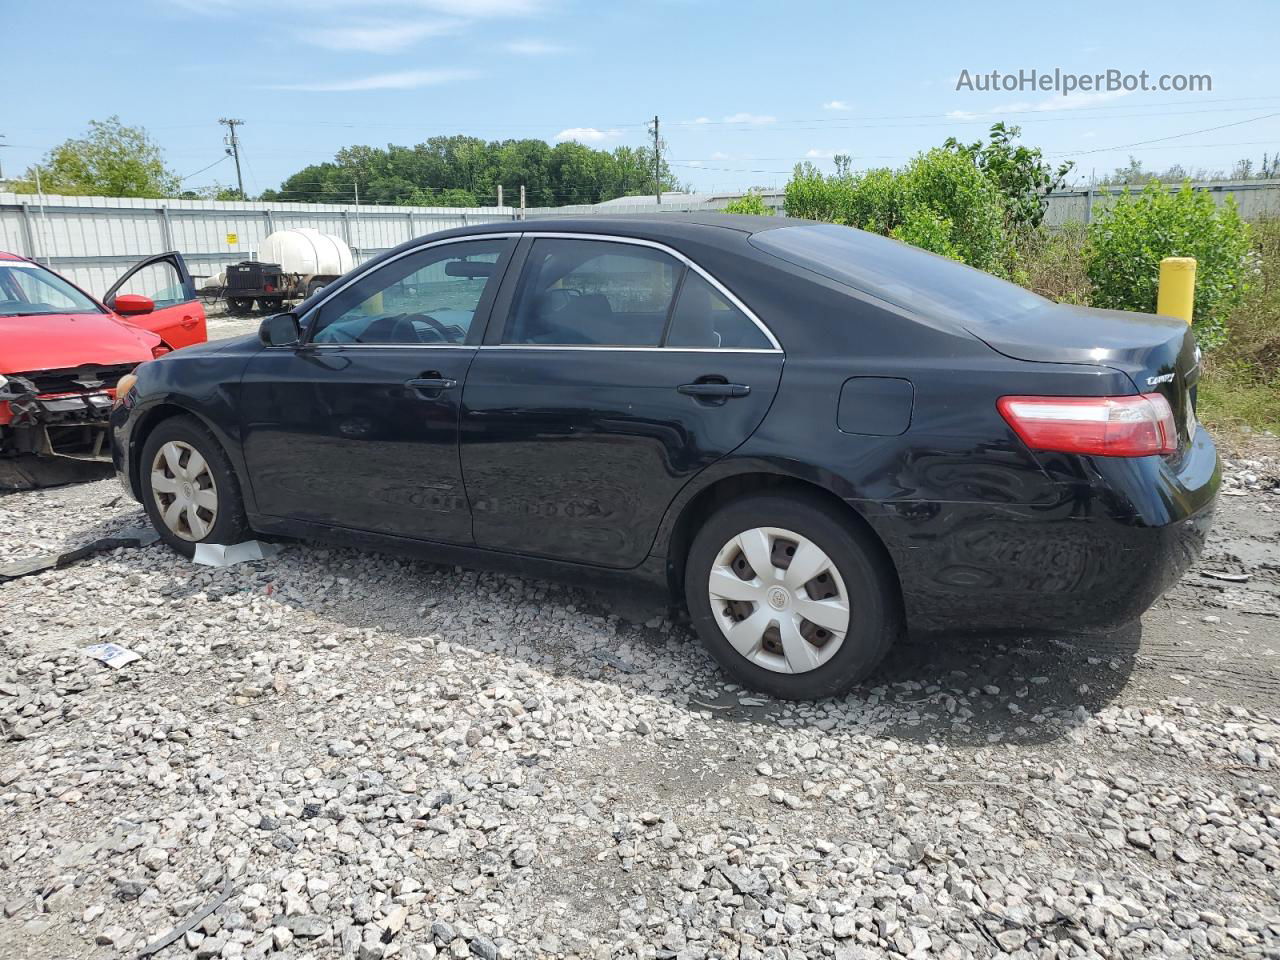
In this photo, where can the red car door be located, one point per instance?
(178, 317)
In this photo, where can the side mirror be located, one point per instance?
(279, 330)
(132, 305)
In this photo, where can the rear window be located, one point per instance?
(903, 275)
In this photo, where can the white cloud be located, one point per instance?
(404, 80)
(719, 156)
(587, 134)
(376, 38)
(534, 48)
(840, 106)
(1072, 101)
(752, 118)
(703, 120)
(816, 154)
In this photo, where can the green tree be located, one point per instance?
(111, 160)
(749, 203)
(1126, 244)
(441, 166)
(940, 201)
(1019, 172)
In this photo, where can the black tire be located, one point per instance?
(229, 523)
(875, 609)
(270, 304)
(240, 306)
(315, 286)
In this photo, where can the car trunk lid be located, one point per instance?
(1159, 354)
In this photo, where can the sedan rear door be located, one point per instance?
(178, 317)
(612, 373)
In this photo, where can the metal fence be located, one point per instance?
(92, 240)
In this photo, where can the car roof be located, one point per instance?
(10, 256)
(709, 227)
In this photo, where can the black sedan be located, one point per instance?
(809, 436)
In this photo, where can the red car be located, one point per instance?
(62, 351)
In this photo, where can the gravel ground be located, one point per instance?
(356, 755)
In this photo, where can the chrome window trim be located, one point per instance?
(334, 289)
(768, 351)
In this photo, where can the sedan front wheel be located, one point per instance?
(791, 596)
(188, 487)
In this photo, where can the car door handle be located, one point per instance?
(715, 390)
(430, 383)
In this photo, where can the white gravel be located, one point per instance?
(375, 757)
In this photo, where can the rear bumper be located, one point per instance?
(1095, 558)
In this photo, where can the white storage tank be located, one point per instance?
(307, 251)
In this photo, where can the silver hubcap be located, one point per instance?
(779, 600)
(184, 490)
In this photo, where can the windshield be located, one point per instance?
(902, 275)
(28, 289)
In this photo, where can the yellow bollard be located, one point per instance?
(373, 306)
(1177, 294)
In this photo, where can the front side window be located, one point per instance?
(26, 289)
(159, 281)
(594, 292)
(426, 298)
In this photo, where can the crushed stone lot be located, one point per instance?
(342, 754)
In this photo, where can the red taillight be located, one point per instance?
(160, 349)
(1105, 426)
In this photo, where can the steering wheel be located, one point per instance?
(433, 323)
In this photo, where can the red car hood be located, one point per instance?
(66, 341)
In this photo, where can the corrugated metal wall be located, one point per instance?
(92, 240)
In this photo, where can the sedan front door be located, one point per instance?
(178, 318)
(357, 426)
(619, 373)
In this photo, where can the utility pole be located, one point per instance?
(522, 201)
(657, 161)
(499, 194)
(355, 185)
(233, 147)
(4, 145)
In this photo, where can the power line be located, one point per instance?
(221, 159)
(1175, 136)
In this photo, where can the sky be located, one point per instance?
(744, 90)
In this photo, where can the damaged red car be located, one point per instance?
(62, 352)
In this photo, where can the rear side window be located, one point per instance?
(593, 292)
(705, 318)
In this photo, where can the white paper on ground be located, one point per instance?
(224, 555)
(112, 654)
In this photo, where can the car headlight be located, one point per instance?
(123, 386)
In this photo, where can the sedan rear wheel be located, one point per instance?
(791, 596)
(188, 487)
(780, 600)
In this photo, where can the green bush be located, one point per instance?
(1125, 247)
(940, 201)
(750, 203)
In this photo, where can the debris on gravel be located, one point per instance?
(342, 754)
